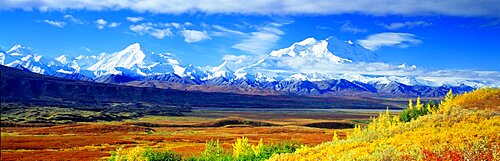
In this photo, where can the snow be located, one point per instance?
(64, 71)
(298, 77)
(311, 49)
(309, 59)
(178, 70)
(127, 58)
(64, 59)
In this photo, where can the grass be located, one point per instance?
(95, 140)
(85, 138)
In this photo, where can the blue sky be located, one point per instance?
(445, 35)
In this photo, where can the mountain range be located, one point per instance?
(301, 68)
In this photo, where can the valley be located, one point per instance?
(51, 118)
(182, 134)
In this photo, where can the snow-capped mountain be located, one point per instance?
(311, 49)
(307, 67)
(22, 56)
(331, 49)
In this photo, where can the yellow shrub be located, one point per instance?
(133, 154)
(453, 133)
(242, 147)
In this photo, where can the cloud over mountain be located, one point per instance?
(465, 8)
(401, 40)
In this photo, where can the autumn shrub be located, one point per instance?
(485, 98)
(144, 154)
(242, 150)
(449, 132)
(413, 112)
(160, 155)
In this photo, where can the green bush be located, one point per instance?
(158, 155)
(144, 154)
(215, 152)
(413, 112)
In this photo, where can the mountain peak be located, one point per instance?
(64, 59)
(134, 46)
(310, 49)
(15, 47)
(18, 50)
(307, 41)
(128, 58)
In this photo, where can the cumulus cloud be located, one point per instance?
(59, 24)
(464, 8)
(259, 42)
(401, 40)
(158, 31)
(135, 19)
(73, 19)
(349, 27)
(191, 36)
(101, 24)
(175, 25)
(113, 24)
(407, 24)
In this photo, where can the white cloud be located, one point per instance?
(113, 24)
(236, 57)
(175, 25)
(223, 31)
(465, 8)
(349, 27)
(135, 19)
(408, 24)
(158, 31)
(73, 19)
(259, 42)
(401, 40)
(55, 23)
(191, 36)
(101, 24)
(86, 49)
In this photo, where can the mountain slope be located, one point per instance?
(23, 87)
(303, 68)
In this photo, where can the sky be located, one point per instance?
(448, 34)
